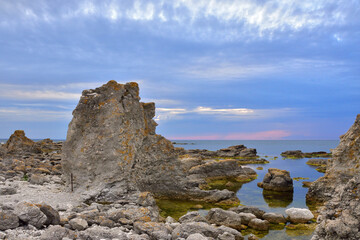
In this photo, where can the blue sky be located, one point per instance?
(241, 69)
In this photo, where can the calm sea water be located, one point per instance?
(250, 194)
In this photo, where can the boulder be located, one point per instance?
(31, 214)
(8, 220)
(39, 179)
(246, 217)
(293, 154)
(99, 232)
(78, 224)
(248, 209)
(277, 180)
(274, 218)
(219, 216)
(259, 224)
(193, 216)
(57, 233)
(53, 217)
(196, 236)
(186, 229)
(299, 215)
(154, 229)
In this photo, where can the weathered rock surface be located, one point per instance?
(186, 229)
(277, 180)
(8, 220)
(30, 214)
(18, 142)
(219, 216)
(193, 216)
(299, 215)
(274, 218)
(248, 209)
(112, 149)
(258, 224)
(339, 188)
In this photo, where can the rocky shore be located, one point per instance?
(105, 180)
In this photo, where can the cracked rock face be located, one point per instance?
(112, 149)
(111, 144)
(339, 188)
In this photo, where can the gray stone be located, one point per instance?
(259, 224)
(7, 191)
(96, 232)
(8, 220)
(196, 236)
(246, 217)
(192, 217)
(39, 179)
(170, 220)
(274, 218)
(277, 180)
(299, 215)
(53, 217)
(226, 236)
(30, 214)
(154, 229)
(78, 224)
(219, 216)
(248, 209)
(57, 233)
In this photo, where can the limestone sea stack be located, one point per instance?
(340, 189)
(112, 149)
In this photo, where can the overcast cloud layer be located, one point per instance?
(241, 69)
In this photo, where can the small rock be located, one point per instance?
(192, 217)
(196, 236)
(299, 215)
(30, 214)
(52, 215)
(219, 216)
(259, 224)
(246, 217)
(274, 218)
(39, 179)
(252, 237)
(78, 224)
(7, 191)
(8, 220)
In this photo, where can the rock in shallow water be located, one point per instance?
(299, 215)
(277, 180)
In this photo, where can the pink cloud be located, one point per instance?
(264, 135)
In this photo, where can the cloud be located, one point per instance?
(227, 114)
(204, 19)
(264, 135)
(33, 115)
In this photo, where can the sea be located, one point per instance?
(251, 195)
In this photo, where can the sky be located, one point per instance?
(226, 70)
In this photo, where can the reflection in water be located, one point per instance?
(278, 199)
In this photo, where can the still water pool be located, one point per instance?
(250, 194)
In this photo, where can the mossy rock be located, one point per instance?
(178, 208)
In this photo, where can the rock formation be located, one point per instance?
(18, 142)
(340, 189)
(277, 180)
(112, 149)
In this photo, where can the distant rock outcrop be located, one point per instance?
(340, 189)
(18, 142)
(112, 149)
